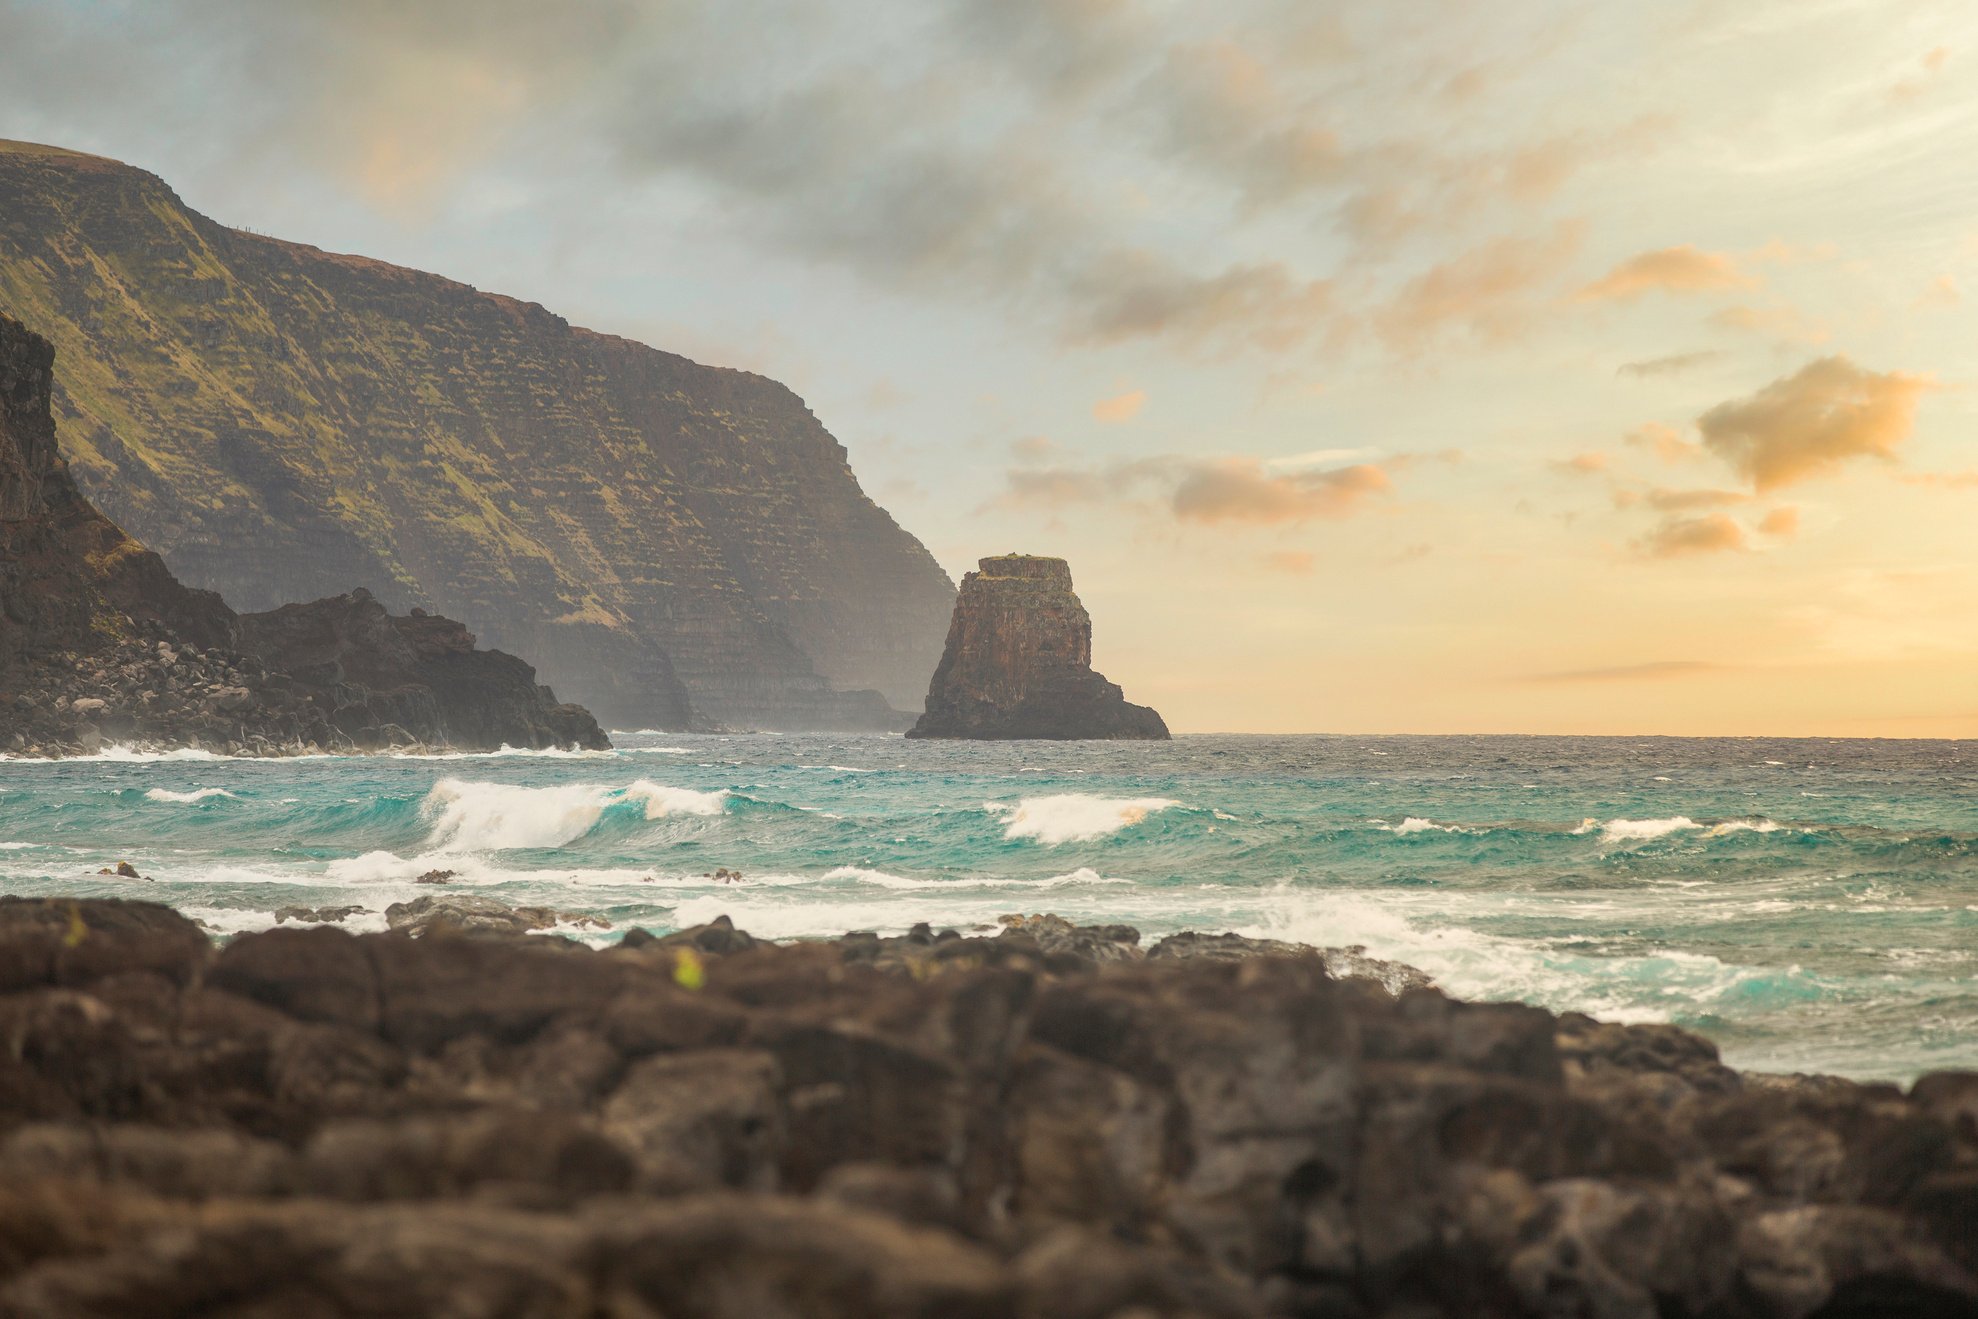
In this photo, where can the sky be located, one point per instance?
(1435, 366)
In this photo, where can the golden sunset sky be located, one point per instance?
(1417, 367)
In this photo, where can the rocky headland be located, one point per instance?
(1018, 662)
(674, 545)
(100, 644)
(1051, 1123)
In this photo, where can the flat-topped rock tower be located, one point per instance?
(1018, 663)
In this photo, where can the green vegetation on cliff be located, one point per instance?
(669, 542)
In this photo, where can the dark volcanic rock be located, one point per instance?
(1036, 1125)
(99, 643)
(671, 544)
(1019, 663)
(420, 673)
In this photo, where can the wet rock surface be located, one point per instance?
(1026, 1124)
(1018, 663)
(100, 645)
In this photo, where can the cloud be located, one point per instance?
(1684, 269)
(1652, 671)
(1220, 109)
(1583, 464)
(1941, 480)
(1034, 448)
(1665, 442)
(1296, 563)
(1804, 425)
(1490, 292)
(1236, 490)
(1241, 490)
(1782, 323)
(1782, 522)
(1120, 408)
(1681, 501)
(1916, 84)
(1054, 487)
(1126, 295)
(1943, 292)
(1674, 364)
(1710, 533)
(1295, 462)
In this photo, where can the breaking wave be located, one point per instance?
(1074, 817)
(188, 798)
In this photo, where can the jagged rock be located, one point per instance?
(466, 913)
(1018, 663)
(98, 641)
(317, 915)
(237, 408)
(307, 1121)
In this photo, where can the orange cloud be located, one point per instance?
(1240, 490)
(1710, 533)
(1943, 292)
(1125, 407)
(1488, 291)
(1684, 269)
(1653, 670)
(1807, 424)
(1774, 322)
(1583, 464)
(1681, 501)
(1908, 89)
(1671, 365)
(1666, 442)
(1781, 522)
(1296, 562)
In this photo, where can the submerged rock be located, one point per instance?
(1018, 663)
(1020, 1126)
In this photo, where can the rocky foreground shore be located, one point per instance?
(1053, 1122)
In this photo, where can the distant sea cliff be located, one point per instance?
(674, 545)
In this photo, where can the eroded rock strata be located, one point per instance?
(1039, 1125)
(673, 544)
(99, 643)
(1018, 662)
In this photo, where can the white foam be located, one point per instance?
(876, 878)
(662, 801)
(1415, 824)
(507, 752)
(1758, 826)
(17, 847)
(655, 751)
(188, 798)
(1075, 816)
(1634, 831)
(498, 817)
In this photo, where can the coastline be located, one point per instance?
(1019, 1126)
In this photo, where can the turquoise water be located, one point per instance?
(1813, 905)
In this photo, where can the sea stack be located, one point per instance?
(1019, 662)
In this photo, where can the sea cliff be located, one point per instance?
(100, 644)
(1018, 662)
(675, 545)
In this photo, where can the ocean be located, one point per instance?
(1812, 905)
